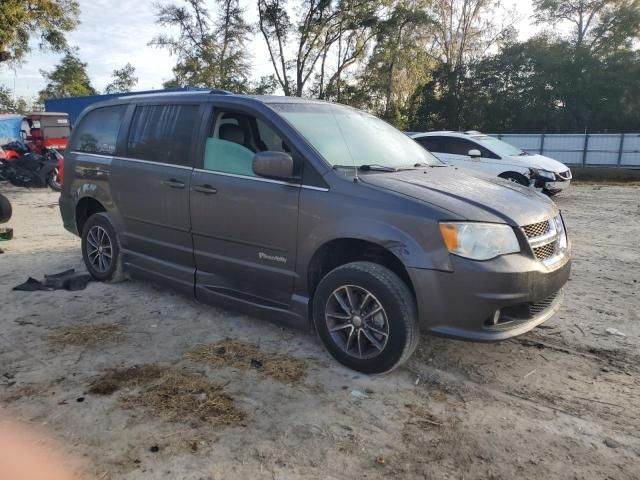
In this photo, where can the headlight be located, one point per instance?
(479, 241)
(562, 234)
(536, 172)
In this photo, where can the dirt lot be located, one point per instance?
(162, 397)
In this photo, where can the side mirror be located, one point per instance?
(475, 153)
(277, 165)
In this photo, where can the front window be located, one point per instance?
(347, 137)
(234, 140)
(498, 146)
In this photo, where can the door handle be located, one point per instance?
(206, 189)
(173, 183)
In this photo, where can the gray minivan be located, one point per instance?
(312, 214)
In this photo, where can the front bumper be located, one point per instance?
(463, 303)
(555, 187)
(561, 182)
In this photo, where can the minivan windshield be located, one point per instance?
(498, 146)
(347, 137)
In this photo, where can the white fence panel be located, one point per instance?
(608, 149)
(631, 150)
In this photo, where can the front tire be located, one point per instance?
(101, 249)
(366, 317)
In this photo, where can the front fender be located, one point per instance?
(423, 252)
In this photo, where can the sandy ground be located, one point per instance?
(560, 402)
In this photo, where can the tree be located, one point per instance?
(123, 80)
(597, 25)
(464, 30)
(345, 42)
(20, 20)
(293, 67)
(9, 104)
(602, 31)
(399, 63)
(211, 53)
(68, 79)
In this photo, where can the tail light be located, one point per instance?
(61, 170)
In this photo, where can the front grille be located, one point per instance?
(537, 229)
(514, 315)
(546, 251)
(541, 306)
(544, 239)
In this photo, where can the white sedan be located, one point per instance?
(488, 155)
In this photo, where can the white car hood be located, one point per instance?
(542, 162)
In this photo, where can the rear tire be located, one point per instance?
(53, 181)
(366, 317)
(515, 177)
(101, 249)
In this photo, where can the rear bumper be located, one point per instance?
(463, 303)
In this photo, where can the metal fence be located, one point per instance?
(597, 150)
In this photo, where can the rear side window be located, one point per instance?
(430, 143)
(457, 146)
(460, 146)
(98, 131)
(162, 133)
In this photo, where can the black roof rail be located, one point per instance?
(218, 91)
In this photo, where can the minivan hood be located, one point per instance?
(472, 197)
(541, 162)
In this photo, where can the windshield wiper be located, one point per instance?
(365, 167)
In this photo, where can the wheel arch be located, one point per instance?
(85, 207)
(340, 251)
(521, 177)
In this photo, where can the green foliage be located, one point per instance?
(399, 62)
(123, 80)
(598, 26)
(68, 79)
(20, 20)
(585, 81)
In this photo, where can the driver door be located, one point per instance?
(244, 227)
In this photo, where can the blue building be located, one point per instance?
(75, 105)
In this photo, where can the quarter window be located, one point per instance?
(162, 133)
(98, 131)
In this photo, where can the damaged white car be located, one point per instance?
(482, 153)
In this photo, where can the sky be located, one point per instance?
(114, 32)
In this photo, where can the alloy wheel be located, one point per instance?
(99, 249)
(357, 321)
